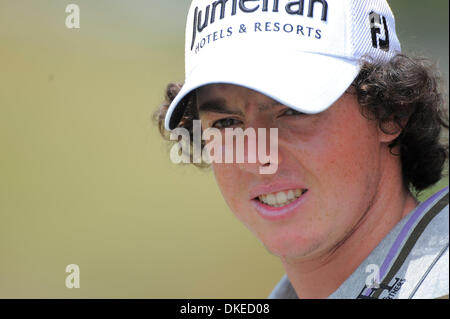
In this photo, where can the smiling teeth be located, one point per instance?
(281, 198)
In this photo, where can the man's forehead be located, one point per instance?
(226, 96)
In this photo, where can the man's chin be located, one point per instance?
(293, 250)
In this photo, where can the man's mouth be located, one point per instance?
(280, 199)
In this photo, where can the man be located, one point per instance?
(358, 127)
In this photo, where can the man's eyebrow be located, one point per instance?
(217, 106)
(268, 106)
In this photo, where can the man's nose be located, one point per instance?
(253, 168)
(260, 152)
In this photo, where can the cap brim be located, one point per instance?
(306, 82)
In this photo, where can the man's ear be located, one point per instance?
(389, 130)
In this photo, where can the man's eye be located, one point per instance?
(291, 112)
(224, 123)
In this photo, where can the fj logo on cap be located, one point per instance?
(378, 26)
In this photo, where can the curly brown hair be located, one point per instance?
(405, 91)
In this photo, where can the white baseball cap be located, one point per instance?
(303, 54)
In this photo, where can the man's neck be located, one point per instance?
(320, 277)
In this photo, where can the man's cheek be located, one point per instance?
(228, 181)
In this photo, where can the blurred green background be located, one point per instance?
(85, 177)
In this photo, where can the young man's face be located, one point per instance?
(327, 177)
